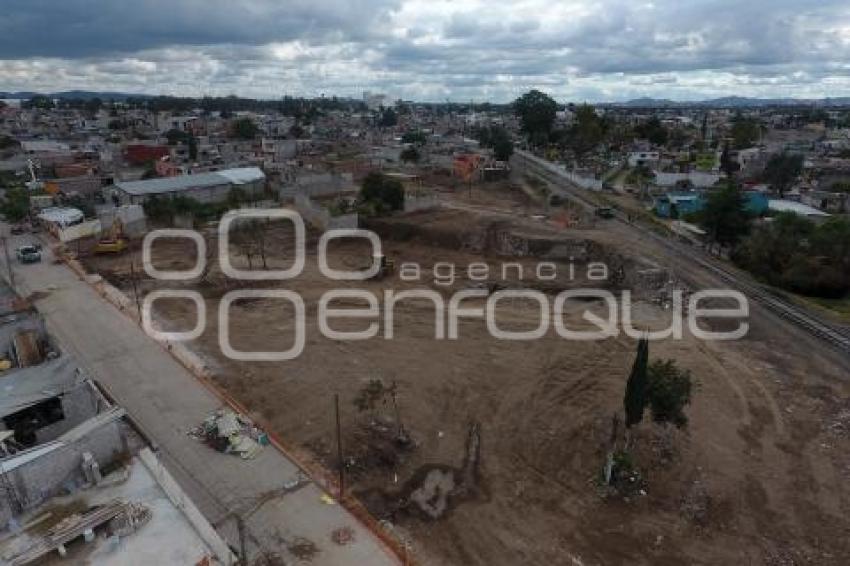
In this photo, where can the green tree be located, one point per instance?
(193, 148)
(382, 193)
(410, 154)
(236, 196)
(39, 102)
(793, 253)
(653, 130)
(498, 139)
(727, 164)
(769, 248)
(782, 170)
(832, 240)
(16, 204)
(388, 118)
(587, 131)
(245, 129)
(725, 215)
(536, 111)
(745, 131)
(93, 106)
(296, 132)
(668, 392)
(503, 147)
(251, 235)
(175, 136)
(634, 400)
(7, 142)
(416, 137)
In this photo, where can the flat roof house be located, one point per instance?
(204, 187)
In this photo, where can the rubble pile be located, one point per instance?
(231, 433)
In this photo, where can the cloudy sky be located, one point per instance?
(430, 50)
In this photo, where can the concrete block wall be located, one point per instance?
(78, 405)
(425, 202)
(319, 216)
(54, 472)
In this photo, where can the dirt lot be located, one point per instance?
(503, 442)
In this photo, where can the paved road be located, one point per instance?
(167, 401)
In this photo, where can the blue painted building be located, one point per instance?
(679, 204)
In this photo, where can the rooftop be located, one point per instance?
(167, 537)
(795, 207)
(238, 176)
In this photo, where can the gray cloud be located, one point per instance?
(80, 28)
(429, 49)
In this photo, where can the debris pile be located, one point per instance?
(134, 516)
(342, 535)
(231, 433)
(123, 519)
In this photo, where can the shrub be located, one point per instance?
(668, 392)
(383, 193)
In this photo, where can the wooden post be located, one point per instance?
(9, 264)
(339, 449)
(135, 289)
(243, 547)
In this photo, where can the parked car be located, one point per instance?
(29, 254)
(605, 212)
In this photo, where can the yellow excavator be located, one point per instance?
(112, 241)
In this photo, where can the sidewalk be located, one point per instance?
(167, 401)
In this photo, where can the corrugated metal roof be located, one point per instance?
(795, 207)
(242, 175)
(63, 216)
(237, 176)
(24, 387)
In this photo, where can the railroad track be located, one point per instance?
(836, 336)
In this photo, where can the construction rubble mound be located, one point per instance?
(231, 433)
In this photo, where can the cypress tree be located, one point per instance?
(635, 398)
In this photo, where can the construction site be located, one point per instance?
(477, 450)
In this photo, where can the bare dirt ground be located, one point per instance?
(508, 438)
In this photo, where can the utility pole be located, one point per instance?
(9, 265)
(135, 288)
(243, 547)
(339, 449)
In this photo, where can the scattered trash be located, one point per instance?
(231, 433)
(299, 480)
(342, 536)
(327, 499)
(302, 548)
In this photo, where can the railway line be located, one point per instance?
(835, 336)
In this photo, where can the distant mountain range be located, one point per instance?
(724, 102)
(74, 95)
(731, 102)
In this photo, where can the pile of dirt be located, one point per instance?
(434, 489)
